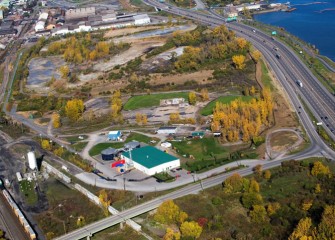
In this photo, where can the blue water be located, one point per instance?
(307, 23)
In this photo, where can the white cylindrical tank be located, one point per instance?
(32, 160)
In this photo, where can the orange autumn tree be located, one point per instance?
(240, 120)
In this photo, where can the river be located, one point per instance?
(313, 22)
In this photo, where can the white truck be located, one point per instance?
(299, 83)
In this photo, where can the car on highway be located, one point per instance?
(254, 30)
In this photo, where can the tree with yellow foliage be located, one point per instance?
(317, 188)
(105, 201)
(204, 94)
(233, 184)
(267, 174)
(56, 120)
(168, 212)
(258, 213)
(272, 208)
(241, 42)
(81, 221)
(256, 55)
(174, 117)
(239, 61)
(74, 109)
(254, 186)
(64, 71)
(116, 107)
(192, 98)
(306, 204)
(59, 151)
(171, 235)
(319, 169)
(144, 119)
(303, 230)
(141, 119)
(46, 144)
(191, 230)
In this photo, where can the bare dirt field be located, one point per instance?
(136, 50)
(200, 77)
(126, 31)
(281, 141)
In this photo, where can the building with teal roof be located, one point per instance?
(150, 160)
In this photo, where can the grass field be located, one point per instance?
(208, 109)
(28, 190)
(65, 206)
(79, 146)
(200, 148)
(132, 136)
(145, 101)
(266, 79)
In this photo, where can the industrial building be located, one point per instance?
(248, 7)
(199, 134)
(150, 160)
(109, 154)
(40, 25)
(79, 13)
(114, 135)
(167, 130)
(7, 28)
(102, 22)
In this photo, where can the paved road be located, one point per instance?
(287, 70)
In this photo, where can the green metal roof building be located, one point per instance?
(198, 134)
(150, 160)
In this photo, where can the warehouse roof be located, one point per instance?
(149, 156)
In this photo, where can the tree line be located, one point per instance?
(77, 49)
(209, 45)
(240, 120)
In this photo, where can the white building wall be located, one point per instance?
(157, 169)
(39, 26)
(141, 19)
(166, 131)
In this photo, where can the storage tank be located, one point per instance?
(32, 160)
(108, 154)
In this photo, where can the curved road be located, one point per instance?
(287, 69)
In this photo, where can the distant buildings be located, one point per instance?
(79, 13)
(108, 21)
(240, 8)
(40, 25)
(7, 29)
(167, 130)
(114, 135)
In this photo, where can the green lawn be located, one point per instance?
(266, 80)
(65, 206)
(79, 146)
(144, 101)
(200, 148)
(27, 188)
(132, 136)
(208, 109)
(75, 139)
